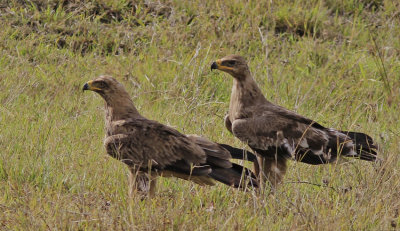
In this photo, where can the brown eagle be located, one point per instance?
(152, 149)
(277, 134)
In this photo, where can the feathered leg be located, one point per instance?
(141, 184)
(271, 169)
(153, 185)
(257, 165)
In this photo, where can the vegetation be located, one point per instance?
(334, 61)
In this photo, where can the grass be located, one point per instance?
(334, 61)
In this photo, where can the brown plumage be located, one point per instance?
(277, 134)
(147, 146)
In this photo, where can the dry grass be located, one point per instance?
(334, 61)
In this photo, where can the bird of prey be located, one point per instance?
(277, 134)
(152, 149)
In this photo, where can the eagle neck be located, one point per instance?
(119, 108)
(245, 93)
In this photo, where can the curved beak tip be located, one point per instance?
(214, 65)
(85, 87)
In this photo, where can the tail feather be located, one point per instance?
(183, 167)
(237, 176)
(198, 179)
(364, 144)
(240, 154)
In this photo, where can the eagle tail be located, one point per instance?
(237, 176)
(240, 154)
(182, 167)
(364, 145)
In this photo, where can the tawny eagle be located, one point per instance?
(148, 146)
(277, 134)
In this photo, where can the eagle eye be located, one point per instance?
(231, 63)
(102, 85)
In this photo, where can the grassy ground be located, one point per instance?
(334, 61)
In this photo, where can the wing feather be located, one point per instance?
(141, 141)
(271, 132)
(271, 129)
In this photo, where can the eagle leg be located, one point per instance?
(141, 184)
(271, 170)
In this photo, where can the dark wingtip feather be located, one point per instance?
(364, 144)
(181, 166)
(237, 176)
(240, 154)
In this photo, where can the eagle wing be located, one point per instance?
(228, 123)
(141, 142)
(275, 130)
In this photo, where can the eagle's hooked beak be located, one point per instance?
(219, 66)
(85, 87)
(89, 86)
(214, 65)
